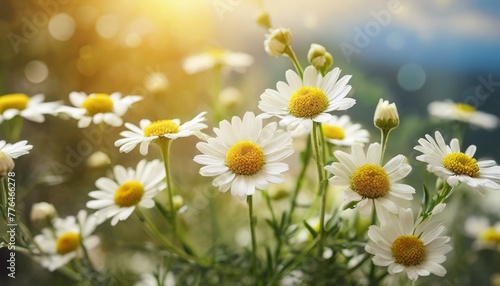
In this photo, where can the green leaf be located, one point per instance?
(311, 229)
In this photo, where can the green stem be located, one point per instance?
(289, 51)
(165, 150)
(300, 179)
(318, 150)
(383, 142)
(251, 220)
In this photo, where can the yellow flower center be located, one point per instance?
(461, 164)
(245, 158)
(408, 250)
(333, 132)
(465, 107)
(99, 103)
(67, 242)
(161, 127)
(129, 194)
(491, 235)
(370, 181)
(307, 102)
(17, 101)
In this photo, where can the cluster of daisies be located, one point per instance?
(246, 155)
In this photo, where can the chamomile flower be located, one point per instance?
(216, 58)
(367, 182)
(15, 150)
(340, 131)
(454, 166)
(31, 108)
(403, 247)
(449, 110)
(487, 236)
(148, 132)
(98, 107)
(62, 243)
(131, 188)
(245, 155)
(302, 101)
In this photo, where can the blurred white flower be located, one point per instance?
(453, 166)
(403, 247)
(340, 131)
(158, 130)
(131, 188)
(217, 58)
(302, 101)
(156, 82)
(62, 243)
(31, 108)
(230, 97)
(42, 212)
(486, 236)
(11, 151)
(98, 108)
(245, 155)
(450, 110)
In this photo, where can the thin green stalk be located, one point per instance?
(300, 179)
(321, 175)
(252, 232)
(383, 141)
(270, 206)
(165, 150)
(289, 51)
(372, 265)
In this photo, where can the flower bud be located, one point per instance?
(98, 160)
(277, 41)
(319, 58)
(41, 213)
(264, 20)
(386, 115)
(178, 202)
(230, 97)
(6, 164)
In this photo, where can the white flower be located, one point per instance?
(340, 131)
(386, 115)
(402, 246)
(216, 58)
(449, 110)
(32, 108)
(277, 41)
(15, 150)
(131, 188)
(300, 102)
(487, 236)
(158, 130)
(156, 82)
(453, 166)
(62, 244)
(367, 182)
(245, 156)
(98, 108)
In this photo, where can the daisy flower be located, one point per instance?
(403, 247)
(487, 236)
(302, 101)
(450, 110)
(453, 166)
(98, 108)
(32, 108)
(148, 132)
(216, 58)
(341, 131)
(368, 183)
(245, 155)
(63, 243)
(131, 188)
(15, 150)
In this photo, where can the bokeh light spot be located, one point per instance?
(62, 27)
(36, 71)
(108, 26)
(411, 77)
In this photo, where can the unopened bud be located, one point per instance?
(98, 160)
(264, 20)
(277, 41)
(42, 213)
(319, 58)
(6, 164)
(386, 115)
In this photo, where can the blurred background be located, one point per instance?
(409, 52)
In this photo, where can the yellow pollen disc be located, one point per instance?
(307, 102)
(333, 132)
(491, 235)
(161, 127)
(408, 250)
(17, 101)
(67, 242)
(370, 181)
(461, 164)
(465, 107)
(245, 158)
(99, 103)
(129, 194)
